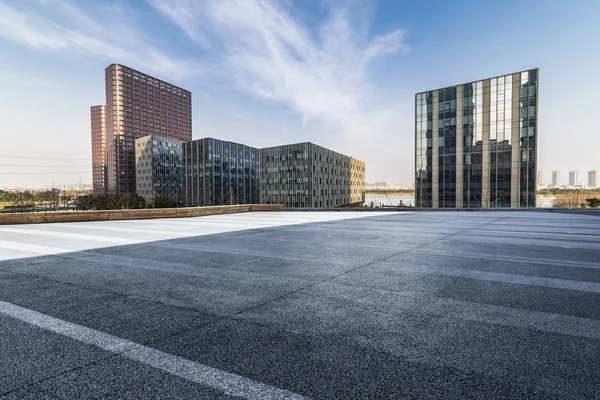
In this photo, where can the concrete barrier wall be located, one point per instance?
(78, 216)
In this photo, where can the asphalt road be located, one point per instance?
(320, 305)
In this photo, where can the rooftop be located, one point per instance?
(321, 305)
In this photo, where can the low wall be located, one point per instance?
(105, 215)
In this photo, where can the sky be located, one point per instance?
(341, 74)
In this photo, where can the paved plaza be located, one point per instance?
(303, 305)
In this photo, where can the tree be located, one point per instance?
(135, 202)
(85, 202)
(568, 200)
(110, 202)
(160, 202)
(594, 202)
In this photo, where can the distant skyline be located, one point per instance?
(340, 74)
(582, 177)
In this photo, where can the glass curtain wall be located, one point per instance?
(424, 150)
(500, 141)
(221, 173)
(528, 120)
(447, 147)
(167, 168)
(473, 144)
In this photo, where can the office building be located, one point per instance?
(540, 178)
(476, 143)
(99, 151)
(574, 178)
(159, 170)
(556, 180)
(218, 172)
(594, 179)
(357, 181)
(138, 105)
(304, 175)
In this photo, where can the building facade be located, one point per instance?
(594, 179)
(138, 105)
(99, 151)
(475, 143)
(218, 172)
(159, 169)
(574, 178)
(357, 181)
(556, 179)
(304, 175)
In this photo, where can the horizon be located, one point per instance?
(339, 74)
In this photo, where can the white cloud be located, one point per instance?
(323, 73)
(65, 27)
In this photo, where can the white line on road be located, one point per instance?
(532, 233)
(226, 382)
(66, 235)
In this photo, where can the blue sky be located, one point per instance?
(342, 74)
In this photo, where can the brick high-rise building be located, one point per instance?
(99, 150)
(137, 105)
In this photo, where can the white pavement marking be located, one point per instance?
(226, 382)
(524, 260)
(532, 233)
(34, 238)
(554, 283)
(32, 248)
(76, 236)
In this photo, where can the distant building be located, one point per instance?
(540, 178)
(476, 143)
(573, 178)
(306, 175)
(556, 181)
(137, 105)
(594, 179)
(99, 151)
(218, 172)
(159, 170)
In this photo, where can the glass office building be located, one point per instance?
(218, 172)
(304, 175)
(475, 143)
(159, 170)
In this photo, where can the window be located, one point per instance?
(523, 112)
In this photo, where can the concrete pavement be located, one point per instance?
(315, 305)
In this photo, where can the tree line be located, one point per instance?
(32, 200)
(121, 202)
(58, 199)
